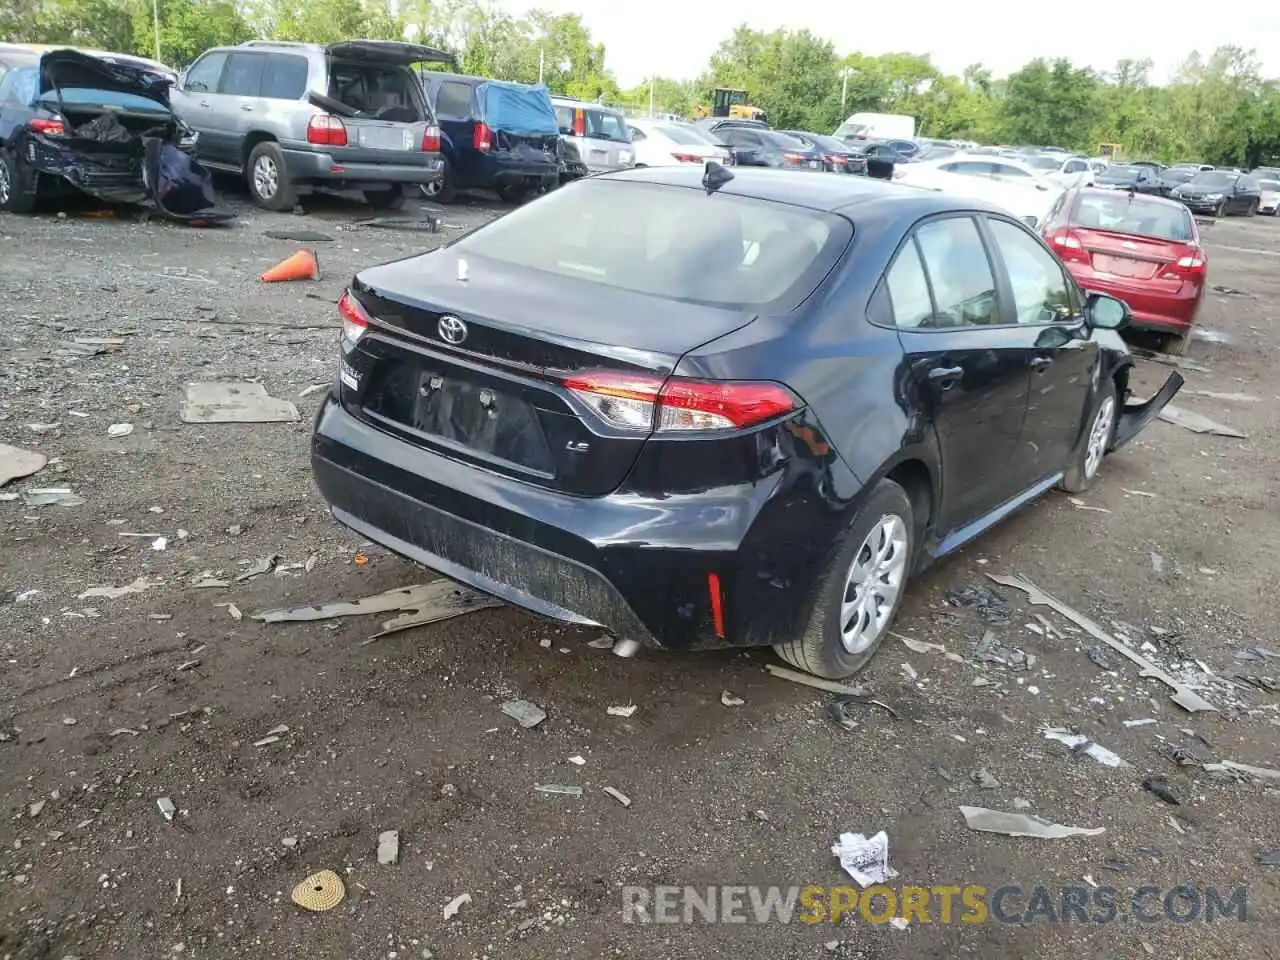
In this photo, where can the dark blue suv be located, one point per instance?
(494, 136)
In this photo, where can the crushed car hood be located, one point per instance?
(70, 68)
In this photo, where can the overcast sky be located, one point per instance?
(674, 38)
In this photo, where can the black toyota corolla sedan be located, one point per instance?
(719, 408)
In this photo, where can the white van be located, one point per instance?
(877, 126)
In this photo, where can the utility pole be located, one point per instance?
(155, 19)
(541, 63)
(651, 96)
(844, 86)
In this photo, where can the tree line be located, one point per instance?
(1216, 108)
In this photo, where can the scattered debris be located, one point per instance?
(1255, 654)
(1081, 505)
(1098, 657)
(1270, 859)
(389, 847)
(119, 430)
(232, 609)
(1145, 722)
(51, 496)
(729, 700)
(234, 403)
(457, 903)
(624, 647)
(259, 567)
(908, 671)
(524, 713)
(159, 544)
(618, 795)
(1264, 773)
(578, 761)
(419, 605)
(16, 463)
(601, 643)
(990, 605)
(989, 650)
(558, 788)
(626, 711)
(1157, 562)
(1022, 825)
(115, 593)
(166, 807)
(1159, 786)
(1197, 422)
(1183, 695)
(33, 810)
(866, 859)
(1226, 397)
(300, 236)
(817, 683)
(274, 735)
(919, 646)
(1079, 743)
(985, 780)
(1137, 493)
(320, 891)
(840, 712)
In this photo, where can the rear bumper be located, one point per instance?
(308, 165)
(1171, 314)
(636, 565)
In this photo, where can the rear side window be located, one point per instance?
(453, 102)
(19, 86)
(284, 77)
(964, 290)
(1004, 170)
(908, 289)
(679, 244)
(602, 125)
(204, 73)
(970, 168)
(564, 117)
(243, 76)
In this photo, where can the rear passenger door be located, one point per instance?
(1048, 310)
(968, 365)
(455, 112)
(233, 109)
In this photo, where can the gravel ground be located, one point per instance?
(107, 705)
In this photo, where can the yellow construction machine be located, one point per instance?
(727, 102)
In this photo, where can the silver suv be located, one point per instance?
(293, 117)
(600, 134)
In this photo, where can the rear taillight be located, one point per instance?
(482, 138)
(579, 123)
(431, 139)
(795, 158)
(1189, 267)
(326, 131)
(688, 158)
(50, 128)
(355, 319)
(1067, 245)
(642, 403)
(832, 158)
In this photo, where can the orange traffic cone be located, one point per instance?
(303, 265)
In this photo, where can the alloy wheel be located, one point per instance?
(5, 184)
(266, 177)
(1099, 437)
(874, 584)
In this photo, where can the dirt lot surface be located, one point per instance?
(108, 705)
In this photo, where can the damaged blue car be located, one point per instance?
(98, 124)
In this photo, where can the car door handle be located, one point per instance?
(246, 108)
(1040, 364)
(946, 377)
(205, 104)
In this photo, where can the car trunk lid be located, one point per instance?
(1128, 255)
(387, 52)
(67, 69)
(477, 371)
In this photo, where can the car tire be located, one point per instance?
(1094, 443)
(268, 178)
(15, 195)
(1253, 209)
(1221, 209)
(442, 190)
(392, 199)
(826, 648)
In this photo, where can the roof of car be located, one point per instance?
(815, 191)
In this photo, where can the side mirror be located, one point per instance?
(1106, 313)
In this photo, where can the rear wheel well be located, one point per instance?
(1121, 378)
(913, 477)
(251, 141)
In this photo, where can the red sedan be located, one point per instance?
(1144, 250)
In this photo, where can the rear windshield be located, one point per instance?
(1119, 173)
(1214, 179)
(688, 136)
(784, 142)
(1045, 163)
(827, 143)
(602, 125)
(381, 92)
(1136, 215)
(679, 244)
(106, 99)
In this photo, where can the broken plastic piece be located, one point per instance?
(1160, 787)
(626, 711)
(234, 403)
(1183, 695)
(618, 795)
(558, 788)
(16, 463)
(389, 847)
(166, 807)
(1022, 825)
(1197, 422)
(1079, 743)
(730, 700)
(524, 713)
(453, 906)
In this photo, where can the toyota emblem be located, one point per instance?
(451, 329)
